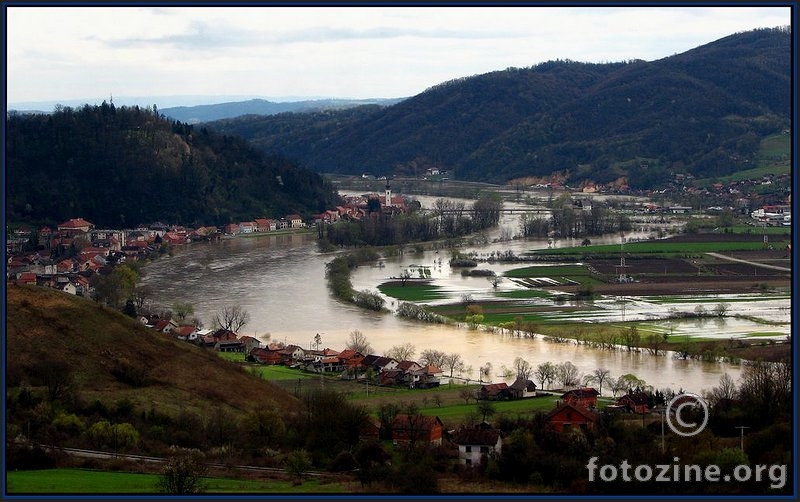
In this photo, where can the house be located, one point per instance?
(265, 225)
(75, 225)
(429, 376)
(635, 402)
(26, 278)
(247, 227)
(410, 372)
(379, 363)
(521, 388)
(165, 325)
(249, 342)
(567, 416)
(394, 377)
(351, 358)
(494, 391)
(583, 396)
(264, 356)
(229, 346)
(232, 228)
(68, 287)
(476, 443)
(185, 333)
(370, 429)
(224, 335)
(328, 364)
(295, 221)
(292, 353)
(411, 429)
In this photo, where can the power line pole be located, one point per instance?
(741, 437)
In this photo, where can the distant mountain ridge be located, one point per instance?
(207, 113)
(702, 112)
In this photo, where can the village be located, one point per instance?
(577, 408)
(67, 257)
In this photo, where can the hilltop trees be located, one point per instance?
(130, 153)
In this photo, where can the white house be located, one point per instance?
(474, 444)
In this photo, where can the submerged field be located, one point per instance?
(712, 287)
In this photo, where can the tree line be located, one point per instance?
(447, 219)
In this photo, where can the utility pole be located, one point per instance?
(741, 437)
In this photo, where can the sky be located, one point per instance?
(62, 54)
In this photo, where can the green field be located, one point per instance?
(649, 247)
(66, 481)
(412, 292)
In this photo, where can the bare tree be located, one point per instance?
(599, 376)
(141, 294)
(523, 368)
(722, 395)
(358, 341)
(721, 309)
(404, 276)
(546, 373)
(466, 394)
(453, 362)
(232, 318)
(433, 357)
(568, 374)
(495, 280)
(401, 352)
(617, 385)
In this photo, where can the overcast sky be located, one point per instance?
(93, 53)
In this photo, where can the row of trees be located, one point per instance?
(448, 219)
(568, 221)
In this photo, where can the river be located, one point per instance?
(280, 281)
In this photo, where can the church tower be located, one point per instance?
(388, 195)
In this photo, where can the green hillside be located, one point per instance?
(78, 357)
(703, 112)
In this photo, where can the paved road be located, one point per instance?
(754, 263)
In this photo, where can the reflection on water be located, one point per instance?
(280, 282)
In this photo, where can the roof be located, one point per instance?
(523, 384)
(635, 398)
(581, 392)
(586, 414)
(75, 223)
(494, 388)
(476, 436)
(405, 421)
(406, 365)
(349, 353)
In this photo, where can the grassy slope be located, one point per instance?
(64, 481)
(92, 341)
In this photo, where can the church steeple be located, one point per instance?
(388, 195)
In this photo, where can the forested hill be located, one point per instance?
(122, 166)
(702, 112)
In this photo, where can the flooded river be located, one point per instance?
(280, 281)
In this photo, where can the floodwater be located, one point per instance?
(280, 281)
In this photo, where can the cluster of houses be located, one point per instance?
(576, 409)
(67, 256)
